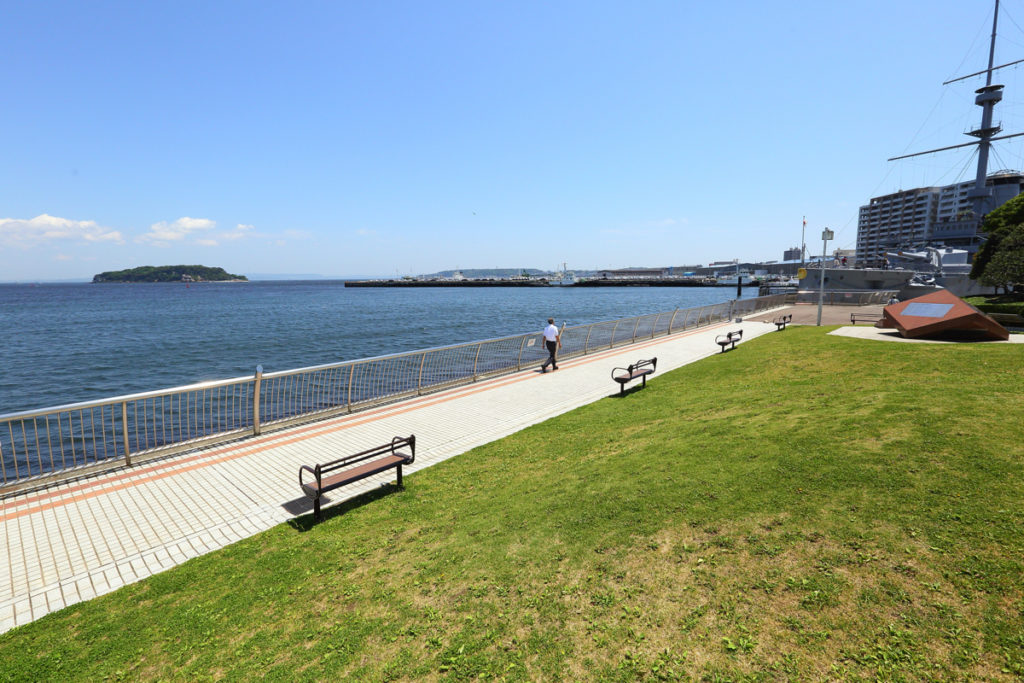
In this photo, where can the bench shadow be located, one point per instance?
(627, 392)
(302, 508)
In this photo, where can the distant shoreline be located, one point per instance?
(674, 282)
(445, 283)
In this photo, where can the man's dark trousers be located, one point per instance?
(552, 349)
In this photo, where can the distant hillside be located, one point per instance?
(482, 273)
(168, 274)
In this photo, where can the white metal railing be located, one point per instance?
(846, 297)
(38, 446)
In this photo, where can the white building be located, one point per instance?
(927, 215)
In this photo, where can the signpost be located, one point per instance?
(826, 235)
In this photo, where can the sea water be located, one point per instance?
(64, 343)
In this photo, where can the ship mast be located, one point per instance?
(987, 97)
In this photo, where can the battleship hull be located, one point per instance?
(907, 283)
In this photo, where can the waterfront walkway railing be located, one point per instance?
(846, 297)
(40, 446)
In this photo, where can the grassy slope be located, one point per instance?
(806, 506)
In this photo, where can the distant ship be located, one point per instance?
(911, 273)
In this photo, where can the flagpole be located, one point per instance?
(803, 243)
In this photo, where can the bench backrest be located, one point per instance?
(641, 364)
(370, 453)
(738, 334)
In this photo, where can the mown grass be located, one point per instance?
(805, 507)
(1012, 303)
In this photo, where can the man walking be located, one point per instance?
(553, 341)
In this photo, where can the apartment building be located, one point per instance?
(927, 215)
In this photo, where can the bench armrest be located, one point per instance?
(401, 441)
(314, 472)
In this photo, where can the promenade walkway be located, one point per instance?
(71, 542)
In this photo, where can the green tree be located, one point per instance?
(1000, 225)
(1005, 267)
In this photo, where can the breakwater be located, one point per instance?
(666, 282)
(446, 283)
(596, 282)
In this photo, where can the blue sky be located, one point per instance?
(367, 139)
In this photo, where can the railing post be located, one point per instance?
(636, 326)
(522, 345)
(477, 359)
(419, 379)
(351, 374)
(124, 433)
(672, 320)
(257, 383)
(611, 344)
(586, 344)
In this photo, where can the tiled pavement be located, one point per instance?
(84, 538)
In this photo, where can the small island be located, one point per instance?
(169, 274)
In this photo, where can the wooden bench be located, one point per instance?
(352, 468)
(782, 321)
(865, 318)
(638, 370)
(725, 340)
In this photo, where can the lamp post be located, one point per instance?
(826, 235)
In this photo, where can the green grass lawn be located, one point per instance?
(805, 507)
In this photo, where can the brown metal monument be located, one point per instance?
(940, 314)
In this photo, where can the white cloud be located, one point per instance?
(241, 231)
(45, 228)
(163, 233)
(207, 243)
(77, 258)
